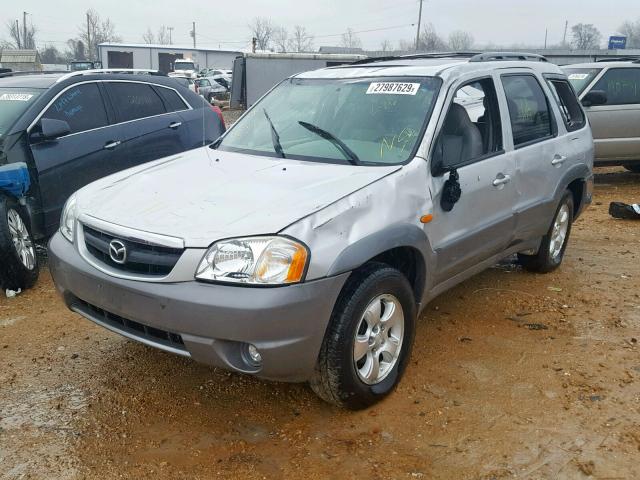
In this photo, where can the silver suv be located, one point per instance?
(610, 93)
(304, 243)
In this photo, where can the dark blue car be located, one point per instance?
(59, 132)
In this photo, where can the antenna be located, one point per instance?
(203, 134)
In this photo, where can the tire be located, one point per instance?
(16, 271)
(340, 376)
(550, 255)
(633, 168)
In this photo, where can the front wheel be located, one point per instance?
(368, 342)
(18, 260)
(554, 243)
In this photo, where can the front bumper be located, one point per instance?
(210, 323)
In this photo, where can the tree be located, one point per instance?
(585, 36)
(94, 32)
(281, 38)
(429, 40)
(148, 37)
(262, 30)
(460, 41)
(631, 30)
(350, 39)
(300, 40)
(18, 39)
(51, 55)
(75, 50)
(385, 46)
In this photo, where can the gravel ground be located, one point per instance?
(513, 375)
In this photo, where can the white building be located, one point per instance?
(161, 57)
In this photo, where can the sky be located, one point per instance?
(224, 23)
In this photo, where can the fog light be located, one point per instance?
(253, 355)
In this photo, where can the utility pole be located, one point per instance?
(193, 34)
(564, 38)
(24, 29)
(254, 41)
(18, 34)
(419, 22)
(88, 39)
(170, 31)
(546, 35)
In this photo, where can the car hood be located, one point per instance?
(204, 195)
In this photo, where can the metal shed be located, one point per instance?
(19, 60)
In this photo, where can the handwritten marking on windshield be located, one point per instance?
(398, 142)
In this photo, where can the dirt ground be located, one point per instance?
(513, 375)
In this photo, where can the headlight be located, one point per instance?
(254, 261)
(68, 218)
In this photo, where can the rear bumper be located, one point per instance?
(210, 323)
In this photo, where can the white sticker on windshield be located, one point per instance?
(393, 88)
(16, 97)
(578, 76)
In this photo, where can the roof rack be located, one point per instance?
(415, 56)
(31, 72)
(507, 56)
(619, 59)
(132, 71)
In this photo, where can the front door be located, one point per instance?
(68, 163)
(616, 124)
(481, 223)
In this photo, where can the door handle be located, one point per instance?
(558, 160)
(111, 145)
(175, 125)
(501, 180)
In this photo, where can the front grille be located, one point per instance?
(135, 329)
(142, 258)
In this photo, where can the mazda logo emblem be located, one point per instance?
(118, 251)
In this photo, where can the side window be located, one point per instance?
(135, 100)
(567, 101)
(528, 109)
(622, 86)
(171, 99)
(472, 127)
(81, 107)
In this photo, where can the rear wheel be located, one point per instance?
(18, 260)
(554, 243)
(368, 342)
(633, 168)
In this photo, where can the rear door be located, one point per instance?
(541, 153)
(150, 130)
(481, 223)
(86, 154)
(616, 125)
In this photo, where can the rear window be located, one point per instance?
(13, 103)
(135, 100)
(172, 100)
(580, 78)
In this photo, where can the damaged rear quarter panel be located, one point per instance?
(383, 215)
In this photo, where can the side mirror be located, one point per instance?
(594, 98)
(50, 129)
(447, 154)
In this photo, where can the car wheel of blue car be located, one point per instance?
(368, 341)
(18, 259)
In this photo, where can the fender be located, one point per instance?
(14, 179)
(580, 171)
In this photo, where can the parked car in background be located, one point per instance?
(302, 245)
(610, 94)
(59, 132)
(186, 82)
(184, 67)
(210, 89)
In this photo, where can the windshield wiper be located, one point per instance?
(347, 152)
(275, 138)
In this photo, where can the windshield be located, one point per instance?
(380, 120)
(580, 78)
(185, 66)
(13, 103)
